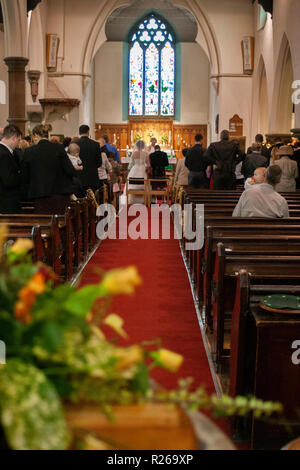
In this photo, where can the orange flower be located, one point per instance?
(27, 297)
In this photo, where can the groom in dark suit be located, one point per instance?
(10, 173)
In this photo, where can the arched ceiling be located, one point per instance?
(31, 4)
(121, 20)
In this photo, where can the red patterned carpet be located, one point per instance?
(162, 307)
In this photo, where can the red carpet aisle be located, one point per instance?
(162, 307)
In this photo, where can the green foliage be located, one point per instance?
(30, 409)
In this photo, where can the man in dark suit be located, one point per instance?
(47, 174)
(10, 172)
(90, 155)
(159, 161)
(253, 160)
(224, 155)
(196, 163)
(296, 157)
(265, 152)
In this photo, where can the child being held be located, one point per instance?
(73, 154)
(257, 178)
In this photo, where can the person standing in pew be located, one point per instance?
(254, 160)
(47, 174)
(90, 155)
(197, 163)
(224, 156)
(262, 200)
(10, 171)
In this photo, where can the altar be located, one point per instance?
(172, 137)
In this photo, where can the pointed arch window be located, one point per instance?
(152, 68)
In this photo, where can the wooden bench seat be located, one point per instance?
(261, 359)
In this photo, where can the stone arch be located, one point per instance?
(263, 99)
(282, 97)
(96, 36)
(206, 37)
(15, 27)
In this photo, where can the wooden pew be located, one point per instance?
(270, 267)
(261, 359)
(34, 233)
(251, 236)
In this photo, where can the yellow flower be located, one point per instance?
(116, 323)
(22, 245)
(3, 235)
(121, 281)
(171, 360)
(128, 356)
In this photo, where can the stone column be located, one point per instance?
(16, 90)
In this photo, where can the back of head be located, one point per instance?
(74, 149)
(84, 130)
(55, 139)
(140, 144)
(11, 131)
(105, 137)
(198, 138)
(157, 148)
(41, 131)
(259, 138)
(273, 175)
(225, 135)
(256, 147)
(67, 141)
(285, 151)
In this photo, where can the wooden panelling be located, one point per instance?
(168, 134)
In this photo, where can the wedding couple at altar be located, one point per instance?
(145, 166)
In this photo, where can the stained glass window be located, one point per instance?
(152, 68)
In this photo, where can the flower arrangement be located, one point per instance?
(56, 353)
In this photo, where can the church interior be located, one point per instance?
(149, 225)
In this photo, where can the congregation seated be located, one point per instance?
(262, 200)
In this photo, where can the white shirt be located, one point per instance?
(261, 200)
(11, 150)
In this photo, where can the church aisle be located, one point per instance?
(162, 306)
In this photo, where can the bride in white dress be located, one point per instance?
(138, 169)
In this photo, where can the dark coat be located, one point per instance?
(195, 159)
(159, 160)
(90, 155)
(47, 170)
(296, 158)
(10, 182)
(225, 155)
(265, 152)
(252, 161)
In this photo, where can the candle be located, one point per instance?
(131, 136)
(170, 137)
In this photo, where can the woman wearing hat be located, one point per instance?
(289, 169)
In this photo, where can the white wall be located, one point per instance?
(195, 70)
(3, 85)
(109, 84)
